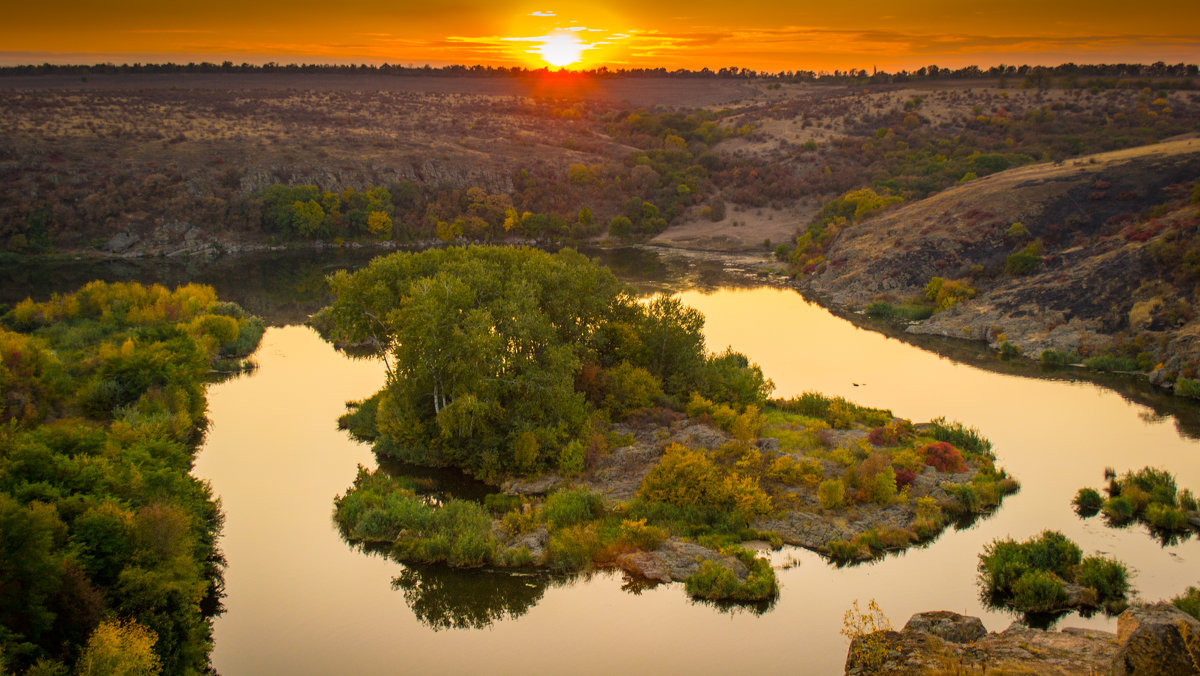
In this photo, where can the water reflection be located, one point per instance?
(449, 598)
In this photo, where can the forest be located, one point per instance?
(108, 549)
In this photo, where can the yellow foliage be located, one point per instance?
(687, 477)
(379, 223)
(946, 293)
(870, 650)
(119, 649)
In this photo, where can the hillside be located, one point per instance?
(1096, 258)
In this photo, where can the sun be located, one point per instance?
(561, 49)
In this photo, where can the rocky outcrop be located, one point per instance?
(1152, 640)
(947, 626)
(1157, 639)
(676, 560)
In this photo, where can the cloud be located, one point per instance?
(541, 13)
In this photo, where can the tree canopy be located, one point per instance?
(498, 356)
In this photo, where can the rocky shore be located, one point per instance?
(1151, 639)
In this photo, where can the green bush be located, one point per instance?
(1054, 552)
(1026, 260)
(1119, 509)
(712, 581)
(1165, 517)
(1109, 362)
(1038, 591)
(1189, 602)
(842, 551)
(1109, 578)
(831, 493)
(572, 458)
(883, 487)
(1009, 351)
(1187, 387)
(1187, 501)
(572, 548)
(635, 533)
(571, 506)
(1056, 358)
(1088, 501)
(1030, 576)
(1158, 484)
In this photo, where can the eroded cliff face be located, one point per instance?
(1111, 272)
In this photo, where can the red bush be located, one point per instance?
(943, 457)
(881, 436)
(904, 477)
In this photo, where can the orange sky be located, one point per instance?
(778, 35)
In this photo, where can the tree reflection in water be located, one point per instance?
(449, 598)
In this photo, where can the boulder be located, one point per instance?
(1157, 639)
(121, 242)
(676, 560)
(948, 626)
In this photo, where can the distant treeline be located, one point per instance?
(1066, 70)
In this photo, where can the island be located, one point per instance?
(614, 438)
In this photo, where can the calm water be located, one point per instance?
(301, 601)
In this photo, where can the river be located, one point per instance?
(300, 601)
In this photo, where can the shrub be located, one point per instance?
(1009, 351)
(1186, 387)
(890, 434)
(1118, 509)
(883, 487)
(831, 493)
(1158, 484)
(635, 533)
(572, 458)
(712, 581)
(1189, 602)
(943, 457)
(1054, 552)
(864, 630)
(688, 478)
(571, 506)
(1038, 591)
(1187, 501)
(1109, 362)
(904, 478)
(1088, 501)
(1026, 260)
(628, 388)
(946, 293)
(573, 548)
(842, 551)
(1056, 358)
(1109, 578)
(1004, 562)
(1166, 517)
(717, 582)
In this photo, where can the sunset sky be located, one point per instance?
(772, 36)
